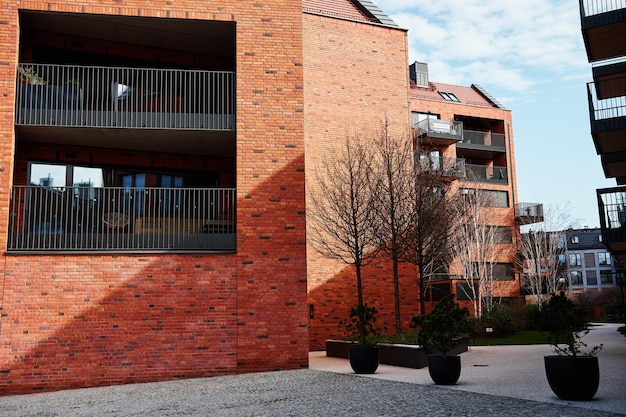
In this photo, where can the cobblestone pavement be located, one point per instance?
(495, 381)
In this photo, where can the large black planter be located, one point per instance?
(444, 370)
(364, 359)
(574, 379)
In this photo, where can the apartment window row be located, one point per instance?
(591, 278)
(576, 259)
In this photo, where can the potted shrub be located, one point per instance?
(573, 373)
(363, 355)
(440, 331)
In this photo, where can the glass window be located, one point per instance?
(576, 277)
(503, 272)
(575, 259)
(606, 277)
(449, 96)
(604, 258)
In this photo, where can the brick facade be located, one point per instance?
(84, 320)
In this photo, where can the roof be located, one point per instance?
(358, 10)
(581, 239)
(474, 95)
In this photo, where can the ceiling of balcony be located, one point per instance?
(217, 144)
(215, 38)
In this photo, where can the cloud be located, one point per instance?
(511, 44)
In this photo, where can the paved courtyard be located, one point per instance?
(495, 381)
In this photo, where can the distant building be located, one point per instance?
(589, 264)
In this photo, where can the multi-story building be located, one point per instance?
(603, 26)
(590, 266)
(466, 127)
(154, 171)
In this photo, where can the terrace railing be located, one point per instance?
(116, 97)
(120, 219)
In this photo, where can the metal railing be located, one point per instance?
(487, 173)
(489, 139)
(594, 7)
(82, 219)
(607, 99)
(116, 97)
(612, 207)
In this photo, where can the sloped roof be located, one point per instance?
(474, 95)
(358, 10)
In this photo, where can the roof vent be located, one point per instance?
(418, 72)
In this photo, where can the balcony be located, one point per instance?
(446, 167)
(528, 213)
(121, 219)
(607, 113)
(603, 24)
(612, 210)
(487, 173)
(115, 97)
(481, 141)
(439, 132)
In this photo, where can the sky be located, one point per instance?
(530, 56)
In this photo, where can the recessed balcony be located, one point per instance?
(603, 24)
(439, 132)
(117, 97)
(121, 219)
(487, 173)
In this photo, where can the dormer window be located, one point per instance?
(449, 96)
(574, 239)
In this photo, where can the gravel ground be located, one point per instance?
(495, 381)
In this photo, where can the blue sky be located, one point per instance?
(528, 54)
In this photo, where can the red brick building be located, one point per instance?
(154, 165)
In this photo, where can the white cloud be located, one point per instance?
(510, 44)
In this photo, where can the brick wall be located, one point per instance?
(85, 320)
(356, 76)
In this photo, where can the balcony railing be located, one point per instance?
(486, 139)
(594, 7)
(115, 97)
(612, 210)
(607, 99)
(529, 213)
(487, 173)
(119, 219)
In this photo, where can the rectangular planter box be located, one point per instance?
(407, 356)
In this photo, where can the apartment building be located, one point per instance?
(589, 265)
(466, 130)
(603, 25)
(155, 165)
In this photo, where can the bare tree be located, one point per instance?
(394, 172)
(342, 213)
(540, 251)
(475, 248)
(427, 243)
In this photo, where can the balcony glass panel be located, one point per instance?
(487, 173)
(116, 97)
